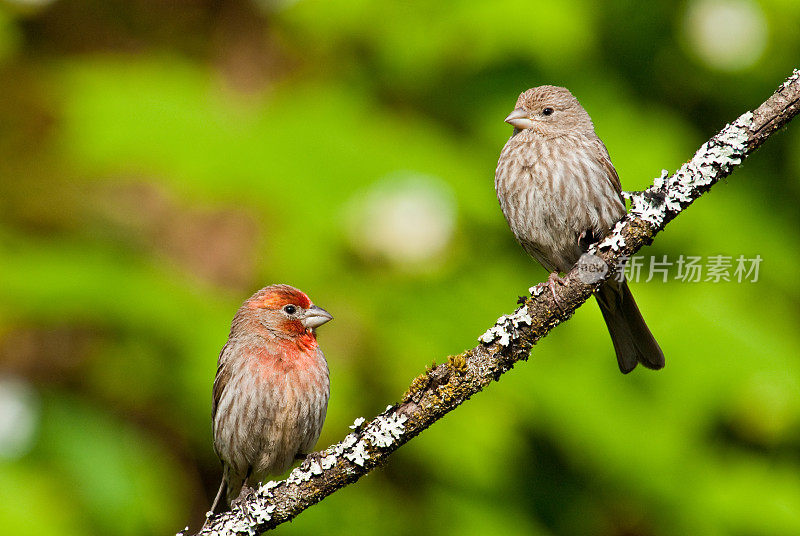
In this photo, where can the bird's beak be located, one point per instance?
(519, 119)
(315, 317)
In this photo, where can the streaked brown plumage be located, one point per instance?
(559, 191)
(271, 389)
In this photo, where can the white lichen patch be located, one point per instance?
(304, 472)
(237, 525)
(615, 240)
(358, 454)
(357, 423)
(346, 444)
(658, 182)
(497, 333)
(504, 329)
(266, 488)
(521, 316)
(673, 204)
(261, 510)
(795, 76)
(380, 432)
(646, 209)
(716, 157)
(245, 515)
(385, 429)
(299, 475)
(315, 467)
(328, 461)
(535, 291)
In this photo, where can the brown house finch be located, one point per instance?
(559, 192)
(271, 389)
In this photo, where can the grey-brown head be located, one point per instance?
(549, 111)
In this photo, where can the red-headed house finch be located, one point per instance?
(271, 389)
(559, 192)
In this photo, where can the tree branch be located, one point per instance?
(443, 388)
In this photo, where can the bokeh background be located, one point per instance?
(162, 160)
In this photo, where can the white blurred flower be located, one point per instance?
(729, 35)
(19, 416)
(407, 219)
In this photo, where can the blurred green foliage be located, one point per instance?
(161, 161)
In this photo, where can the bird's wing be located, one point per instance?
(611, 173)
(220, 381)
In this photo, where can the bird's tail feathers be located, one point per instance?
(633, 341)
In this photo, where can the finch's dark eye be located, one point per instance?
(290, 309)
(547, 111)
